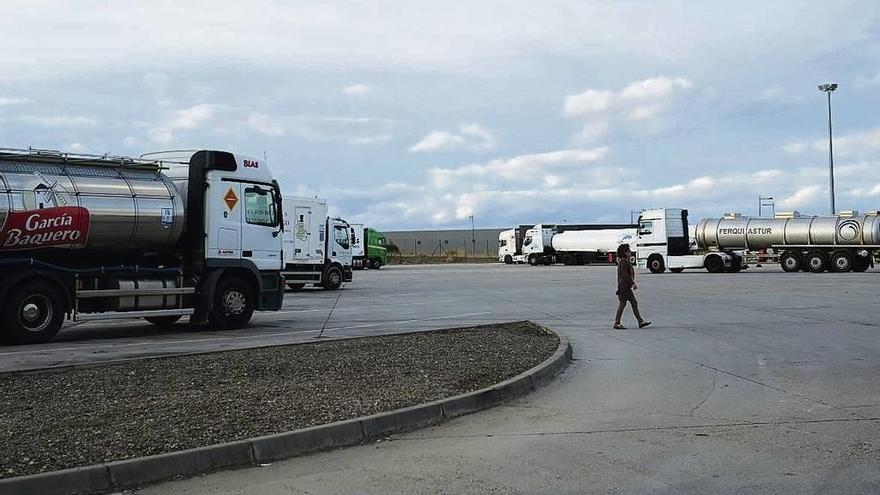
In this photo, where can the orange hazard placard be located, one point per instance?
(231, 199)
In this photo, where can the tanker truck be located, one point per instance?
(840, 243)
(171, 234)
(575, 244)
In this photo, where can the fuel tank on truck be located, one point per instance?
(598, 241)
(762, 233)
(54, 205)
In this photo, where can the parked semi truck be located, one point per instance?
(510, 244)
(172, 234)
(317, 248)
(375, 253)
(575, 244)
(358, 247)
(840, 243)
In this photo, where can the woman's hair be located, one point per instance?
(622, 250)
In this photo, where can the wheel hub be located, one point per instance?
(234, 302)
(35, 313)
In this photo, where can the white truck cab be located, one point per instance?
(535, 242)
(507, 246)
(317, 249)
(663, 242)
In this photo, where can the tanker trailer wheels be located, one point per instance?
(842, 261)
(714, 264)
(533, 259)
(33, 314)
(656, 264)
(508, 259)
(815, 261)
(234, 303)
(163, 321)
(791, 262)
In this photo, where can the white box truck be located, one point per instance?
(317, 249)
(173, 234)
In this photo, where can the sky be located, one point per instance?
(409, 115)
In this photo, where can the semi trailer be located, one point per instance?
(171, 234)
(841, 243)
(317, 248)
(575, 244)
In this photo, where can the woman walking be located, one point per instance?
(626, 284)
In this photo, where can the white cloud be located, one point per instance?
(265, 124)
(60, 120)
(469, 136)
(867, 82)
(191, 118)
(357, 90)
(592, 132)
(795, 147)
(639, 100)
(6, 101)
(364, 140)
(801, 198)
(522, 168)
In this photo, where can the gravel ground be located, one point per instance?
(57, 419)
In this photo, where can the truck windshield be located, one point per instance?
(340, 235)
(259, 206)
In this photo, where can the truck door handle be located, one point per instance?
(247, 254)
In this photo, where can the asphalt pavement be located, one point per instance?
(756, 382)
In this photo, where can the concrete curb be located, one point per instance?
(132, 473)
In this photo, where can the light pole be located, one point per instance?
(473, 238)
(828, 89)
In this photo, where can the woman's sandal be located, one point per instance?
(644, 324)
(619, 327)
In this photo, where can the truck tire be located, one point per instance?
(676, 270)
(656, 264)
(791, 262)
(714, 264)
(735, 264)
(332, 278)
(508, 259)
(163, 321)
(861, 264)
(33, 313)
(234, 304)
(842, 261)
(533, 259)
(295, 287)
(815, 261)
(375, 264)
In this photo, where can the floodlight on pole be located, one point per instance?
(828, 89)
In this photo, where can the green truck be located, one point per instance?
(368, 249)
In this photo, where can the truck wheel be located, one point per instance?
(815, 261)
(714, 264)
(861, 264)
(841, 261)
(375, 264)
(656, 264)
(791, 262)
(735, 265)
(333, 278)
(533, 259)
(295, 287)
(163, 321)
(234, 304)
(34, 314)
(508, 259)
(676, 270)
